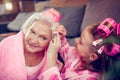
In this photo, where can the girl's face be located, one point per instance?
(83, 46)
(37, 37)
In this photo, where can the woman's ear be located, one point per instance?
(93, 57)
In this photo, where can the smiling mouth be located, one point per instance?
(33, 46)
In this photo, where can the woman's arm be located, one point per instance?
(52, 70)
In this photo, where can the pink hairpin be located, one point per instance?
(97, 42)
(118, 29)
(114, 50)
(106, 27)
(100, 50)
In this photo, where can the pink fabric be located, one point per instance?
(51, 74)
(12, 64)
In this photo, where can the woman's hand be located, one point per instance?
(52, 51)
(55, 44)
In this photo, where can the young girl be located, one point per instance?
(95, 51)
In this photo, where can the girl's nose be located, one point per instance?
(77, 40)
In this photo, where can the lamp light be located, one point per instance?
(8, 6)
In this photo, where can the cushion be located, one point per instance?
(71, 19)
(98, 10)
(16, 24)
(71, 41)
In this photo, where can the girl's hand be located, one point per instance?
(62, 31)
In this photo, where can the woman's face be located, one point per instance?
(38, 36)
(83, 45)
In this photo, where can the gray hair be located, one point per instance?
(39, 16)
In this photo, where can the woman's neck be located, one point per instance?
(33, 59)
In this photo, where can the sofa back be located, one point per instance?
(98, 10)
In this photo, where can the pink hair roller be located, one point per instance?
(118, 29)
(113, 51)
(106, 27)
(51, 12)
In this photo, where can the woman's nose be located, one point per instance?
(35, 39)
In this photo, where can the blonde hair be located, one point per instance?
(39, 16)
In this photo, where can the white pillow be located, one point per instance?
(16, 24)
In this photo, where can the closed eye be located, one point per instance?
(80, 40)
(32, 31)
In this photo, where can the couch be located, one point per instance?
(76, 18)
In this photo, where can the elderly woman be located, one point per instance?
(23, 56)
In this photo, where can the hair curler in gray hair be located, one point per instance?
(49, 15)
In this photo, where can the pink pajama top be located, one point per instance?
(12, 63)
